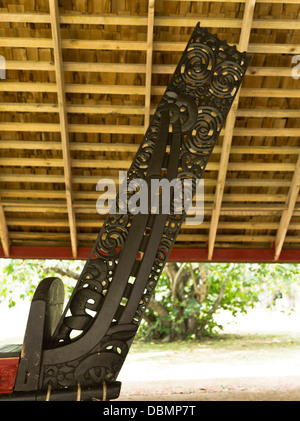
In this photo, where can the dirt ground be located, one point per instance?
(236, 389)
(257, 360)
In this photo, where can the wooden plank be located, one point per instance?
(188, 238)
(268, 112)
(228, 135)
(254, 48)
(74, 146)
(88, 179)
(4, 236)
(124, 164)
(251, 71)
(129, 129)
(240, 225)
(134, 90)
(72, 88)
(75, 19)
(72, 108)
(270, 93)
(74, 44)
(275, 48)
(93, 194)
(151, 7)
(89, 44)
(32, 178)
(133, 147)
(23, 42)
(231, 203)
(250, 92)
(134, 68)
(143, 20)
(288, 212)
(73, 128)
(131, 109)
(76, 67)
(227, 22)
(82, 207)
(59, 72)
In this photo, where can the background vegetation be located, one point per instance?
(186, 299)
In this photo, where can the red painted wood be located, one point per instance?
(8, 372)
(177, 254)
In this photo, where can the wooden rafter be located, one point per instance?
(133, 89)
(133, 147)
(125, 163)
(59, 72)
(151, 8)
(166, 21)
(228, 134)
(288, 211)
(138, 110)
(4, 236)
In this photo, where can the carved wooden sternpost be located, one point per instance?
(98, 326)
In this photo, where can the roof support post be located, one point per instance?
(54, 16)
(228, 134)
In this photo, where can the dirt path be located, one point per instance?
(261, 363)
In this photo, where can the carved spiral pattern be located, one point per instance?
(226, 79)
(113, 236)
(205, 131)
(198, 64)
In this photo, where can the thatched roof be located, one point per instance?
(80, 88)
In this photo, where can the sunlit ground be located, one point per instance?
(259, 343)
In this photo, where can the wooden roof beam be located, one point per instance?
(228, 135)
(288, 211)
(151, 7)
(55, 26)
(181, 21)
(4, 233)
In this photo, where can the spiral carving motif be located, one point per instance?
(113, 235)
(226, 79)
(198, 64)
(205, 131)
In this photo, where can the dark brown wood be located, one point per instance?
(45, 311)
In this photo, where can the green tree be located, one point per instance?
(19, 278)
(186, 299)
(188, 296)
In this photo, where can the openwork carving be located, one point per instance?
(108, 303)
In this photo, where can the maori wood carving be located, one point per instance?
(98, 326)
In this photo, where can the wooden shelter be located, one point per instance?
(81, 83)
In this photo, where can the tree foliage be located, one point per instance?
(186, 300)
(19, 278)
(188, 296)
